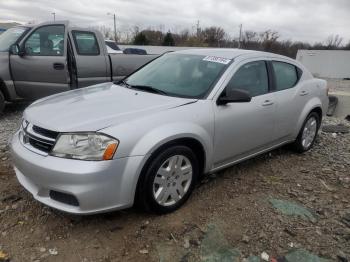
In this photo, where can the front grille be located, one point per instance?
(45, 132)
(39, 144)
(39, 138)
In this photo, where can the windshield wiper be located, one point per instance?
(149, 89)
(122, 82)
(142, 88)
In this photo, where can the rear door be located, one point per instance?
(42, 70)
(91, 61)
(291, 96)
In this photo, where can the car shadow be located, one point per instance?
(13, 108)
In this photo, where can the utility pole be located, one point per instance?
(198, 28)
(115, 26)
(54, 16)
(240, 36)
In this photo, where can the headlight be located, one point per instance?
(85, 146)
(24, 124)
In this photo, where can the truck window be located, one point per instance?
(86, 43)
(46, 41)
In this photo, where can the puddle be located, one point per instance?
(216, 248)
(301, 255)
(253, 259)
(292, 209)
(169, 252)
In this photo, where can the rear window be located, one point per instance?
(86, 43)
(112, 45)
(287, 75)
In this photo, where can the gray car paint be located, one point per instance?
(143, 122)
(33, 77)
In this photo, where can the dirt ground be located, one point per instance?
(236, 214)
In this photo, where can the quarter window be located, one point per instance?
(251, 77)
(46, 41)
(86, 43)
(286, 75)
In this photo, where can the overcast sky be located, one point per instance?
(305, 20)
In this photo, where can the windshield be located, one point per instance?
(10, 36)
(181, 75)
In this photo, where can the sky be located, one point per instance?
(297, 20)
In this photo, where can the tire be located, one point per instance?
(307, 135)
(2, 102)
(159, 185)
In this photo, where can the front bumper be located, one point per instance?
(98, 186)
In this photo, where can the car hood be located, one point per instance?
(97, 107)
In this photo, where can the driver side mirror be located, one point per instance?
(15, 49)
(233, 96)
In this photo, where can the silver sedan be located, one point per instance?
(149, 137)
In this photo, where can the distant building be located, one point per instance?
(326, 63)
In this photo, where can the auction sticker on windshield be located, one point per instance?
(216, 59)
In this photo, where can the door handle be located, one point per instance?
(304, 93)
(267, 103)
(58, 66)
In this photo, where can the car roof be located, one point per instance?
(228, 53)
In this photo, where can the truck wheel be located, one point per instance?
(169, 180)
(2, 102)
(308, 133)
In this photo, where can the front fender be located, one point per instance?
(159, 136)
(310, 105)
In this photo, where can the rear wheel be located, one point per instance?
(169, 180)
(308, 133)
(2, 102)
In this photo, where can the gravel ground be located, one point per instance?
(230, 215)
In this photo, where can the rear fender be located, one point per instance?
(310, 105)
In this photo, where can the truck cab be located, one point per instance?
(41, 60)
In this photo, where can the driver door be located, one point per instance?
(242, 129)
(41, 69)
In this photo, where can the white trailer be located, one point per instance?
(326, 63)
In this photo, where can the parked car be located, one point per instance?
(135, 51)
(113, 48)
(40, 60)
(149, 137)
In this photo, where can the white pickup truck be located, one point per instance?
(44, 59)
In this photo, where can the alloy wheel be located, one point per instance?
(173, 180)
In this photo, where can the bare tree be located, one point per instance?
(213, 35)
(333, 42)
(250, 40)
(268, 39)
(269, 36)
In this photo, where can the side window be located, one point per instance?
(251, 77)
(86, 43)
(46, 41)
(287, 75)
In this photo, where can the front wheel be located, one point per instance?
(308, 133)
(169, 180)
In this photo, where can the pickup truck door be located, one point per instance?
(92, 61)
(40, 67)
(242, 129)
